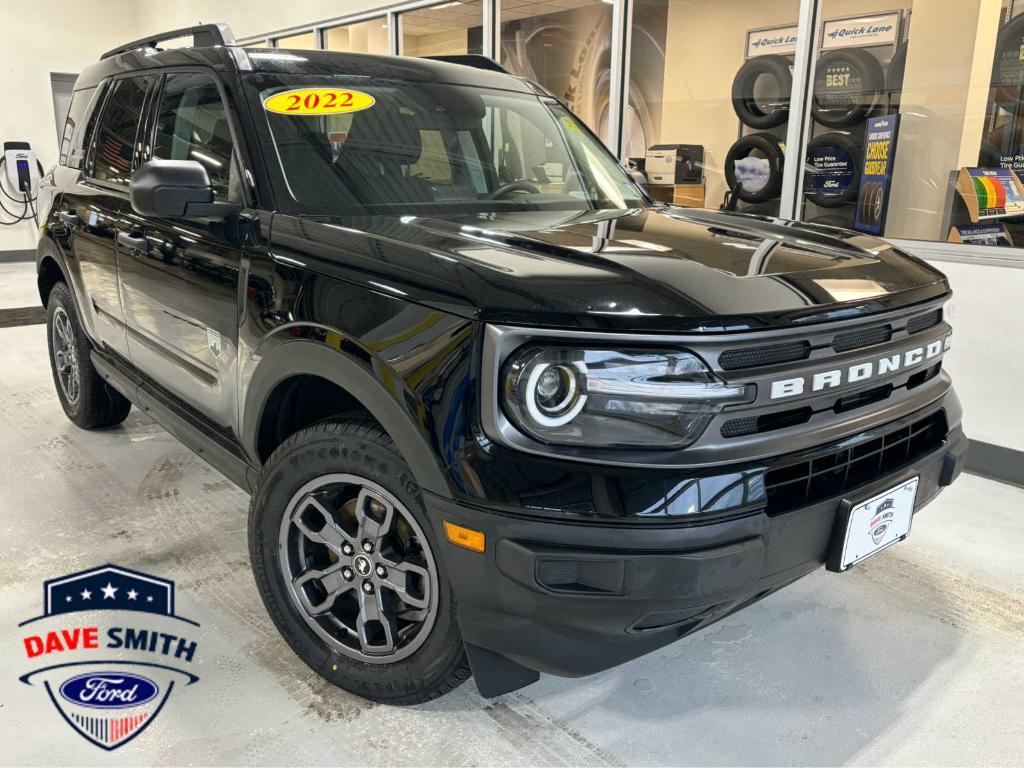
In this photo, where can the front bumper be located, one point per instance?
(571, 599)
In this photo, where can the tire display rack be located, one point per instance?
(851, 85)
(755, 162)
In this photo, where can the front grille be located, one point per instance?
(835, 473)
(770, 354)
(867, 337)
(925, 321)
(752, 425)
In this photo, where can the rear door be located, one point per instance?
(179, 277)
(90, 206)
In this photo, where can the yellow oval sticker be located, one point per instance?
(318, 101)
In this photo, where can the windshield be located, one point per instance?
(360, 145)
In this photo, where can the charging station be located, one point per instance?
(20, 181)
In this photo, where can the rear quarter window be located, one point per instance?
(81, 118)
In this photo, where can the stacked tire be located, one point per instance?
(754, 166)
(760, 98)
(832, 170)
(848, 83)
(850, 86)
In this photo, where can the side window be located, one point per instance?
(192, 124)
(79, 100)
(111, 158)
(89, 101)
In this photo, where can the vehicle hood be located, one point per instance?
(658, 269)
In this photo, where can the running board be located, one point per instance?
(222, 458)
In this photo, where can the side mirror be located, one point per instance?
(175, 188)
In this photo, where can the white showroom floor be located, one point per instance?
(913, 658)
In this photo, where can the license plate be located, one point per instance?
(878, 523)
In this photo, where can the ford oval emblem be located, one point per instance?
(109, 690)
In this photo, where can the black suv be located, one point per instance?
(498, 411)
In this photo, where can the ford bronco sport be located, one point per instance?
(499, 413)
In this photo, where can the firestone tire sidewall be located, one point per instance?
(326, 449)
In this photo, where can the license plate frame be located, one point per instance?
(858, 535)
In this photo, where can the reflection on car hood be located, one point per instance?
(668, 269)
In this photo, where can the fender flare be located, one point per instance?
(47, 249)
(301, 356)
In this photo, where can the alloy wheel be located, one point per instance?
(65, 356)
(358, 568)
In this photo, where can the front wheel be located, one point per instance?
(349, 569)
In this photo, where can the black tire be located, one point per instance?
(870, 203)
(1008, 67)
(894, 76)
(832, 187)
(847, 85)
(750, 107)
(354, 448)
(90, 403)
(766, 147)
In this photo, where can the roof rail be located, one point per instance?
(203, 36)
(471, 60)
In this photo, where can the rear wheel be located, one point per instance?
(87, 399)
(347, 565)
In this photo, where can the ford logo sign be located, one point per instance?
(109, 690)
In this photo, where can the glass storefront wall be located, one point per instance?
(708, 100)
(305, 41)
(907, 117)
(451, 28)
(565, 45)
(360, 37)
(915, 130)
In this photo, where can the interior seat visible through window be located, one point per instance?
(192, 124)
(378, 152)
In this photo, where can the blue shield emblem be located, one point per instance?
(112, 678)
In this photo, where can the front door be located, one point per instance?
(179, 277)
(90, 208)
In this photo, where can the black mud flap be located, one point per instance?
(495, 675)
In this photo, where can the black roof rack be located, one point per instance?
(471, 60)
(203, 36)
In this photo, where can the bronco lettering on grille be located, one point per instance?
(857, 372)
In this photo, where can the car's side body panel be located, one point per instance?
(89, 216)
(407, 364)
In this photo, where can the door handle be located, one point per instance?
(132, 242)
(70, 218)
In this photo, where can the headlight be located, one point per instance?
(612, 397)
